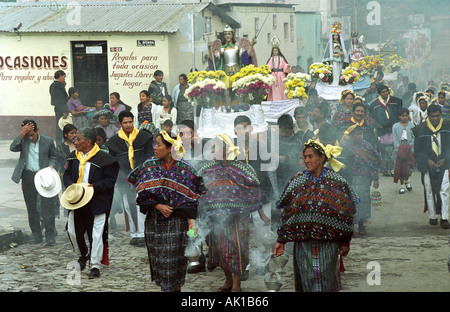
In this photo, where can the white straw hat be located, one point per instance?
(77, 195)
(65, 121)
(47, 182)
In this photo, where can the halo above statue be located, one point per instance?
(275, 42)
(228, 28)
(336, 28)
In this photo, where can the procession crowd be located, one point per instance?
(146, 162)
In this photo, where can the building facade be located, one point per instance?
(103, 48)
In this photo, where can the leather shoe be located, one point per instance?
(95, 273)
(82, 261)
(445, 224)
(433, 221)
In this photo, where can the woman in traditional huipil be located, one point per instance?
(364, 171)
(233, 193)
(344, 112)
(146, 111)
(317, 215)
(167, 191)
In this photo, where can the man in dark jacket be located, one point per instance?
(59, 99)
(90, 165)
(384, 111)
(432, 155)
(36, 152)
(131, 147)
(158, 88)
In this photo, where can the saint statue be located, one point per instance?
(336, 53)
(280, 68)
(230, 55)
(357, 51)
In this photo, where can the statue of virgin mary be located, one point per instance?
(336, 53)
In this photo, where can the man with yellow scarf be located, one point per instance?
(131, 147)
(359, 111)
(89, 167)
(432, 154)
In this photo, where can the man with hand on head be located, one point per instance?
(36, 152)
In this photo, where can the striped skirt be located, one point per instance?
(361, 185)
(166, 242)
(316, 266)
(229, 244)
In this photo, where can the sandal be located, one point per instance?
(224, 289)
(236, 290)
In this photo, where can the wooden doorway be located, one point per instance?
(90, 71)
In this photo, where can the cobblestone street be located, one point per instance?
(409, 254)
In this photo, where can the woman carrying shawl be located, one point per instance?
(364, 171)
(233, 193)
(168, 190)
(317, 215)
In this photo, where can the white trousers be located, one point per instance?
(97, 238)
(443, 193)
(137, 227)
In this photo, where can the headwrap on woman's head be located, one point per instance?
(345, 93)
(358, 97)
(233, 150)
(176, 144)
(425, 98)
(347, 132)
(329, 151)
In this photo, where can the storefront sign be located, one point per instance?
(133, 71)
(33, 62)
(145, 43)
(31, 68)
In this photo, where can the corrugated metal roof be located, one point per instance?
(120, 16)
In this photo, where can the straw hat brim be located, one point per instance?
(64, 121)
(45, 192)
(88, 194)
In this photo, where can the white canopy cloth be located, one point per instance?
(213, 121)
(329, 92)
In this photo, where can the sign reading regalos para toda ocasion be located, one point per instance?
(35, 68)
(132, 70)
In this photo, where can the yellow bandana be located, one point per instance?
(83, 160)
(176, 144)
(129, 139)
(434, 145)
(233, 150)
(330, 151)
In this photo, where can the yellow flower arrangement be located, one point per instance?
(393, 63)
(196, 76)
(252, 83)
(367, 65)
(349, 75)
(295, 85)
(321, 71)
(250, 70)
